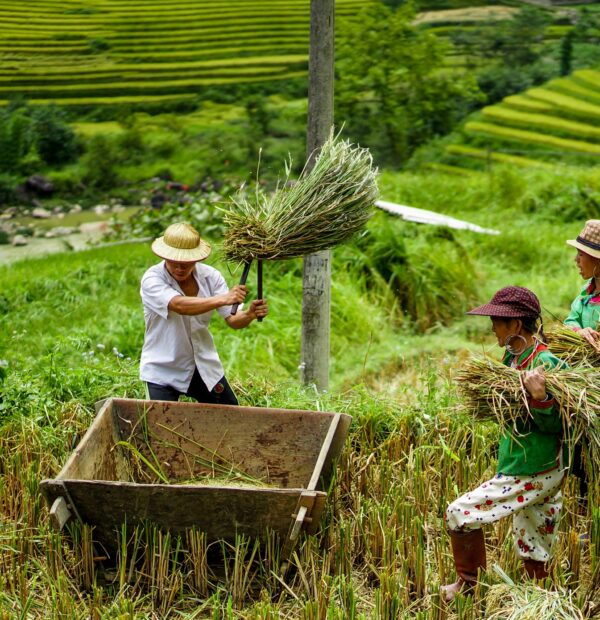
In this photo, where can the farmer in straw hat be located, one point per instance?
(179, 295)
(530, 473)
(584, 318)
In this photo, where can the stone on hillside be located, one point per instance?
(20, 240)
(41, 213)
(76, 209)
(39, 185)
(60, 231)
(93, 227)
(8, 213)
(101, 209)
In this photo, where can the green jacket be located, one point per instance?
(585, 310)
(535, 445)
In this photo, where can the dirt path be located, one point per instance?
(39, 246)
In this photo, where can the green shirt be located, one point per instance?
(585, 310)
(534, 445)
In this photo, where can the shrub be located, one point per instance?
(424, 268)
(98, 45)
(149, 222)
(8, 184)
(99, 162)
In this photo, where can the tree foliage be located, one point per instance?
(39, 136)
(391, 92)
(514, 52)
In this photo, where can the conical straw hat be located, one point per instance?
(182, 243)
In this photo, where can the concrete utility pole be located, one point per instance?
(316, 296)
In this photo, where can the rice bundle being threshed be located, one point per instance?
(325, 207)
(573, 348)
(492, 390)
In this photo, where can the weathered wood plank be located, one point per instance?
(95, 457)
(218, 511)
(277, 446)
(59, 513)
(325, 449)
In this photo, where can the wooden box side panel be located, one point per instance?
(220, 512)
(280, 447)
(331, 450)
(96, 457)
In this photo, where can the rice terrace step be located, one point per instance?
(73, 53)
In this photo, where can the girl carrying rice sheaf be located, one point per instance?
(530, 472)
(584, 318)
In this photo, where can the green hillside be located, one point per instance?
(558, 122)
(88, 52)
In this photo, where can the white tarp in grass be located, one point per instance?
(422, 216)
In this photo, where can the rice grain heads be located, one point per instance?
(325, 207)
(492, 390)
(572, 348)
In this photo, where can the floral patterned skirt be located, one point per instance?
(534, 502)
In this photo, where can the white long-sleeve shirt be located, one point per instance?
(176, 344)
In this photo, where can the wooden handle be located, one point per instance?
(243, 279)
(259, 283)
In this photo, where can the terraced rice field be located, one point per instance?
(96, 52)
(556, 123)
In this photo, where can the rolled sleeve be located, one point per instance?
(219, 287)
(156, 295)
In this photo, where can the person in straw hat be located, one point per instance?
(584, 318)
(529, 472)
(179, 295)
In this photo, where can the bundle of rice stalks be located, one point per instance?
(530, 602)
(492, 390)
(571, 347)
(325, 207)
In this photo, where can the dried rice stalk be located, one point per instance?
(492, 390)
(571, 347)
(325, 207)
(530, 602)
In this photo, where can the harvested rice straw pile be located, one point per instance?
(530, 602)
(571, 347)
(325, 207)
(492, 390)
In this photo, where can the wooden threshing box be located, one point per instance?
(290, 450)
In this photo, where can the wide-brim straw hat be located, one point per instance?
(181, 243)
(511, 302)
(588, 240)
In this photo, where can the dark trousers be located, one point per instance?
(221, 394)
